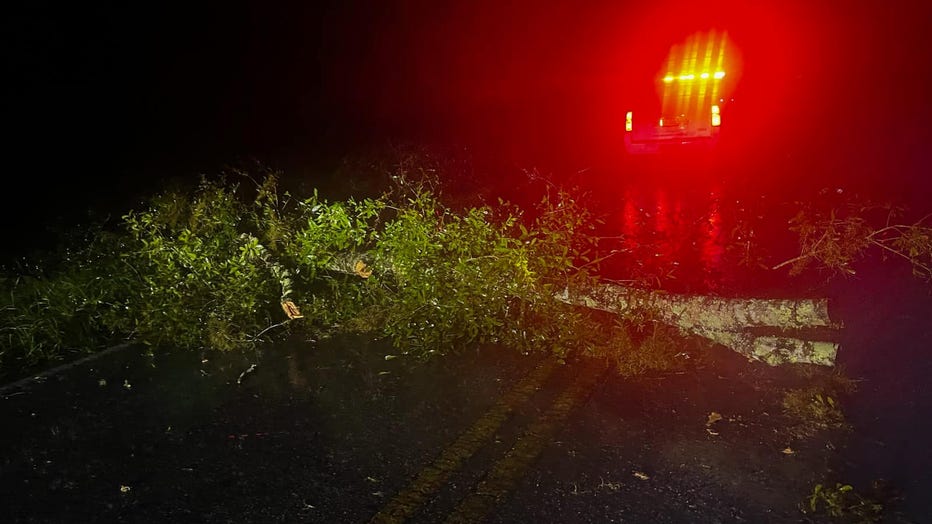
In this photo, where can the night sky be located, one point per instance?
(104, 101)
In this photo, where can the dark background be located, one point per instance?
(102, 104)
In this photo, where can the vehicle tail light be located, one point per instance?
(628, 121)
(716, 116)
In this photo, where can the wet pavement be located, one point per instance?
(346, 430)
(333, 431)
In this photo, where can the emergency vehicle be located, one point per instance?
(686, 106)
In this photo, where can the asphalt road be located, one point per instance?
(332, 431)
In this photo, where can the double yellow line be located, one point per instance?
(508, 470)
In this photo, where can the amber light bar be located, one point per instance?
(718, 75)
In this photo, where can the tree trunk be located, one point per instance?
(757, 328)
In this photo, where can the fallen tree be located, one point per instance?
(209, 268)
(757, 328)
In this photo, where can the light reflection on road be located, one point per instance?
(667, 235)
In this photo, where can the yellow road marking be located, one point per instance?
(432, 478)
(505, 473)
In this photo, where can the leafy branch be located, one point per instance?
(838, 239)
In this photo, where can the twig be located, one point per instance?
(812, 252)
(256, 337)
(249, 370)
(792, 260)
(901, 254)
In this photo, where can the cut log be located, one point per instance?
(726, 321)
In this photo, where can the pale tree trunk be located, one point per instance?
(731, 322)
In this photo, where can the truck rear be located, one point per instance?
(684, 108)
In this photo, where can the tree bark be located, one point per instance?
(757, 328)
